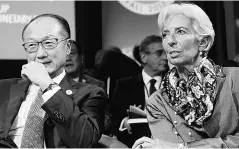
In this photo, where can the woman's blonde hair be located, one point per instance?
(199, 19)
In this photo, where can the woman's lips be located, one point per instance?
(174, 53)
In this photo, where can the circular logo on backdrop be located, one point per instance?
(145, 7)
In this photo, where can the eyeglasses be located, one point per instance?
(158, 53)
(46, 44)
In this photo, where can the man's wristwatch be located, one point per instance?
(50, 87)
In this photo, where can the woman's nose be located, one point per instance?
(171, 40)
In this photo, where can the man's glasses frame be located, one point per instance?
(47, 44)
(157, 53)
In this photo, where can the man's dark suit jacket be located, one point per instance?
(90, 80)
(75, 120)
(128, 91)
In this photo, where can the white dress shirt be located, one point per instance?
(146, 79)
(17, 128)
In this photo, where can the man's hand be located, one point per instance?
(146, 142)
(37, 74)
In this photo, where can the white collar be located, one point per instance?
(147, 78)
(58, 78)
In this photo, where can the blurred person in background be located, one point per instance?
(136, 90)
(75, 66)
(111, 64)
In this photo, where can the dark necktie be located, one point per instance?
(152, 88)
(33, 136)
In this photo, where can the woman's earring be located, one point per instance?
(202, 53)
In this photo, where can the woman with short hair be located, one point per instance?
(197, 105)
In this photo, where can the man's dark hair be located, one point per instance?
(143, 47)
(100, 55)
(64, 24)
(136, 53)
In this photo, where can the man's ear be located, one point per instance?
(143, 57)
(204, 43)
(68, 51)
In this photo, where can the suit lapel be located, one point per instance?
(17, 95)
(68, 84)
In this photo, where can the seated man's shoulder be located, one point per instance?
(86, 88)
(85, 92)
(5, 88)
(94, 81)
(87, 77)
(10, 81)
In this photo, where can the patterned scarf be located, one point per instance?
(192, 100)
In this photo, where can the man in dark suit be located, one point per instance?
(136, 89)
(47, 108)
(75, 69)
(111, 63)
